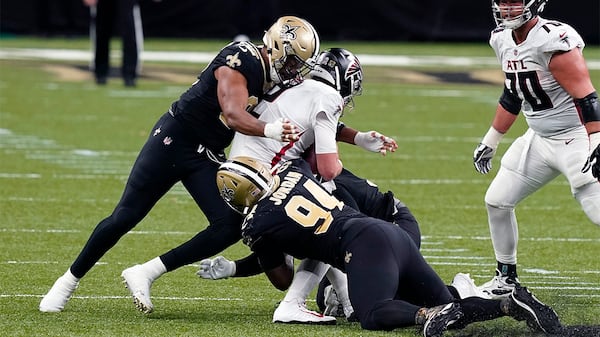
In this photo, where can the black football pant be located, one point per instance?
(389, 280)
(166, 158)
(122, 15)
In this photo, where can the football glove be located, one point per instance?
(482, 158)
(593, 162)
(375, 142)
(282, 130)
(217, 268)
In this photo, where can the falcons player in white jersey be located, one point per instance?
(314, 107)
(548, 80)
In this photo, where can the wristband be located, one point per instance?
(594, 140)
(273, 130)
(492, 138)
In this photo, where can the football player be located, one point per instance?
(315, 106)
(390, 283)
(547, 79)
(186, 145)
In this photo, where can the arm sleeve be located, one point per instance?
(247, 266)
(325, 131)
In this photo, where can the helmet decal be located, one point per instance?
(353, 69)
(289, 32)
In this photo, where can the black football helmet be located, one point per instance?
(527, 9)
(341, 69)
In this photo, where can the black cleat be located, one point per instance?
(524, 306)
(440, 317)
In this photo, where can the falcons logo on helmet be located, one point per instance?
(353, 69)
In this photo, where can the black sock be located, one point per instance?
(509, 270)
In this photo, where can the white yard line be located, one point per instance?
(205, 57)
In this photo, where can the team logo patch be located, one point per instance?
(347, 257)
(168, 140)
(233, 60)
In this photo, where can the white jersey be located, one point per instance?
(314, 107)
(548, 108)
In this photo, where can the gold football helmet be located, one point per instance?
(243, 181)
(292, 44)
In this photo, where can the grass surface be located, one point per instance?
(66, 147)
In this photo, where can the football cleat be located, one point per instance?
(139, 285)
(499, 286)
(465, 286)
(523, 305)
(59, 294)
(439, 318)
(333, 307)
(296, 312)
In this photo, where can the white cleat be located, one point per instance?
(139, 284)
(499, 286)
(295, 312)
(465, 286)
(59, 295)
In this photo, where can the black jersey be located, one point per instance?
(299, 218)
(198, 108)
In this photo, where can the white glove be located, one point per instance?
(281, 130)
(375, 142)
(216, 268)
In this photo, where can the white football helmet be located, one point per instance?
(525, 10)
(292, 44)
(243, 181)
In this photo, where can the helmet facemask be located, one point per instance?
(292, 44)
(526, 9)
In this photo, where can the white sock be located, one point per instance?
(154, 268)
(70, 277)
(307, 277)
(339, 281)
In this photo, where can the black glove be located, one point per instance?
(593, 162)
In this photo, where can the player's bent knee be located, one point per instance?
(589, 199)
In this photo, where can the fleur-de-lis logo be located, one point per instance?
(227, 193)
(348, 257)
(233, 60)
(289, 32)
(168, 140)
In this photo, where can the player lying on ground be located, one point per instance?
(390, 283)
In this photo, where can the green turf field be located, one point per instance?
(66, 147)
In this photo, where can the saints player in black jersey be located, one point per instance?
(390, 283)
(186, 145)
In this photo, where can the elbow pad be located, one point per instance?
(588, 108)
(510, 102)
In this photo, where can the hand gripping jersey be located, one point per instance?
(314, 107)
(299, 218)
(198, 108)
(548, 108)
